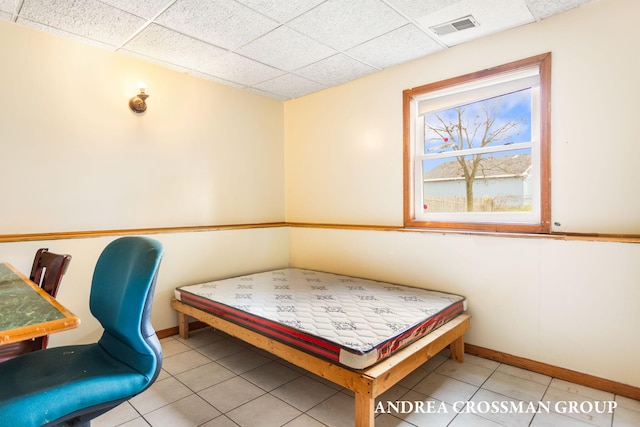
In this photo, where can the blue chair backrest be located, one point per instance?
(121, 295)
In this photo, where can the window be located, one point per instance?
(477, 150)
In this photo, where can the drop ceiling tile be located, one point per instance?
(267, 94)
(416, 8)
(289, 86)
(161, 43)
(545, 8)
(9, 6)
(280, 10)
(335, 70)
(144, 8)
(239, 69)
(513, 13)
(223, 23)
(217, 79)
(5, 16)
(156, 61)
(286, 49)
(90, 19)
(398, 46)
(57, 32)
(344, 24)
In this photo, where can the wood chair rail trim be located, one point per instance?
(64, 235)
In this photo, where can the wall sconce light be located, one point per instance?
(137, 103)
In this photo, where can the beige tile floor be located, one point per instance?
(213, 380)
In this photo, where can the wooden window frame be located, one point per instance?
(543, 62)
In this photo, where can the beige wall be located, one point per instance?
(73, 157)
(210, 154)
(344, 145)
(202, 153)
(571, 304)
(567, 303)
(188, 258)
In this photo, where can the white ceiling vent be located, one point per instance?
(455, 25)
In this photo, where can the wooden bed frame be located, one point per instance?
(368, 383)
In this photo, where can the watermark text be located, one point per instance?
(496, 407)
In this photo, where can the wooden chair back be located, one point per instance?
(46, 272)
(48, 269)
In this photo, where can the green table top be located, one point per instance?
(20, 304)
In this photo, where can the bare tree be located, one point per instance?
(465, 130)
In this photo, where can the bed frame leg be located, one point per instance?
(456, 348)
(183, 325)
(364, 410)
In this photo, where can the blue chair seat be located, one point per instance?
(62, 380)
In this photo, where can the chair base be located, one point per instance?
(83, 418)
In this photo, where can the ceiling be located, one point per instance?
(282, 49)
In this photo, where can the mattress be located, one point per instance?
(352, 321)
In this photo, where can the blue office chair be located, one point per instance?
(70, 385)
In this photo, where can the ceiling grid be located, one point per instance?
(277, 48)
